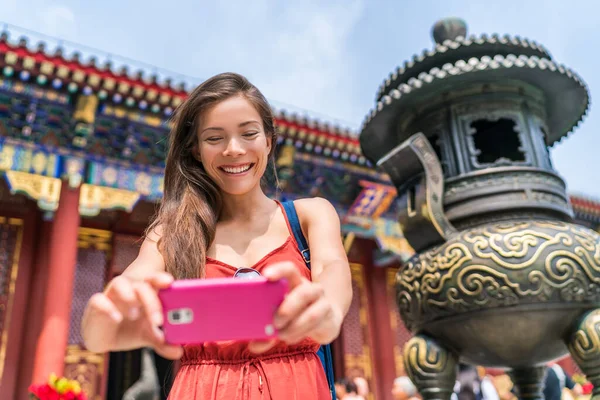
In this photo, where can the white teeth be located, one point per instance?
(237, 170)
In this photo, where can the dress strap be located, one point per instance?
(294, 225)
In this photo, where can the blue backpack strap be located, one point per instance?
(326, 358)
(324, 352)
(292, 217)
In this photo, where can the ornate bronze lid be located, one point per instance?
(456, 62)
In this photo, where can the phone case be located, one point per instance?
(207, 310)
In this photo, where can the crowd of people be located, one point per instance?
(472, 383)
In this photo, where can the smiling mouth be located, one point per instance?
(236, 170)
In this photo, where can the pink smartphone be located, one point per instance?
(208, 310)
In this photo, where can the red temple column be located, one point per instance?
(385, 364)
(17, 324)
(35, 305)
(62, 259)
(382, 336)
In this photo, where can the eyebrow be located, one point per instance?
(216, 128)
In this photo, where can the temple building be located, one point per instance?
(82, 147)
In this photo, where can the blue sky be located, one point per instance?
(328, 57)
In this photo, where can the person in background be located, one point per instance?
(404, 389)
(556, 381)
(473, 384)
(362, 385)
(504, 387)
(345, 389)
(340, 389)
(487, 386)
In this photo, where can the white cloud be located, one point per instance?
(314, 67)
(12, 10)
(296, 54)
(58, 21)
(49, 19)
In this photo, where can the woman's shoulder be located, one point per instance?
(310, 205)
(154, 233)
(315, 209)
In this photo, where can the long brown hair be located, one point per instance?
(191, 203)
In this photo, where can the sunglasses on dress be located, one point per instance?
(246, 273)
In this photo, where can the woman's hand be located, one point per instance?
(127, 315)
(305, 311)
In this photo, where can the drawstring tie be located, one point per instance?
(243, 390)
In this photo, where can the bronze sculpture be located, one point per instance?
(501, 276)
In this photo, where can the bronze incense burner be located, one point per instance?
(501, 276)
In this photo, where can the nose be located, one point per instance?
(234, 148)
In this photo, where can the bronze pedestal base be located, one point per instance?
(510, 295)
(432, 367)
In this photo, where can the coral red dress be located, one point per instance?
(228, 370)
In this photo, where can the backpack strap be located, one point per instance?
(294, 221)
(324, 352)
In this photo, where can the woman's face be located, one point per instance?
(233, 146)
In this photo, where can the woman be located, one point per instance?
(215, 219)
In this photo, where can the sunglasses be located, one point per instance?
(246, 273)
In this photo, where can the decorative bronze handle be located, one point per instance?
(417, 174)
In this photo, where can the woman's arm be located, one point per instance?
(316, 308)
(149, 260)
(329, 264)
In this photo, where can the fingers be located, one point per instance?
(284, 270)
(132, 296)
(168, 351)
(128, 315)
(295, 303)
(160, 280)
(150, 303)
(101, 305)
(260, 346)
(156, 339)
(120, 292)
(308, 321)
(106, 317)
